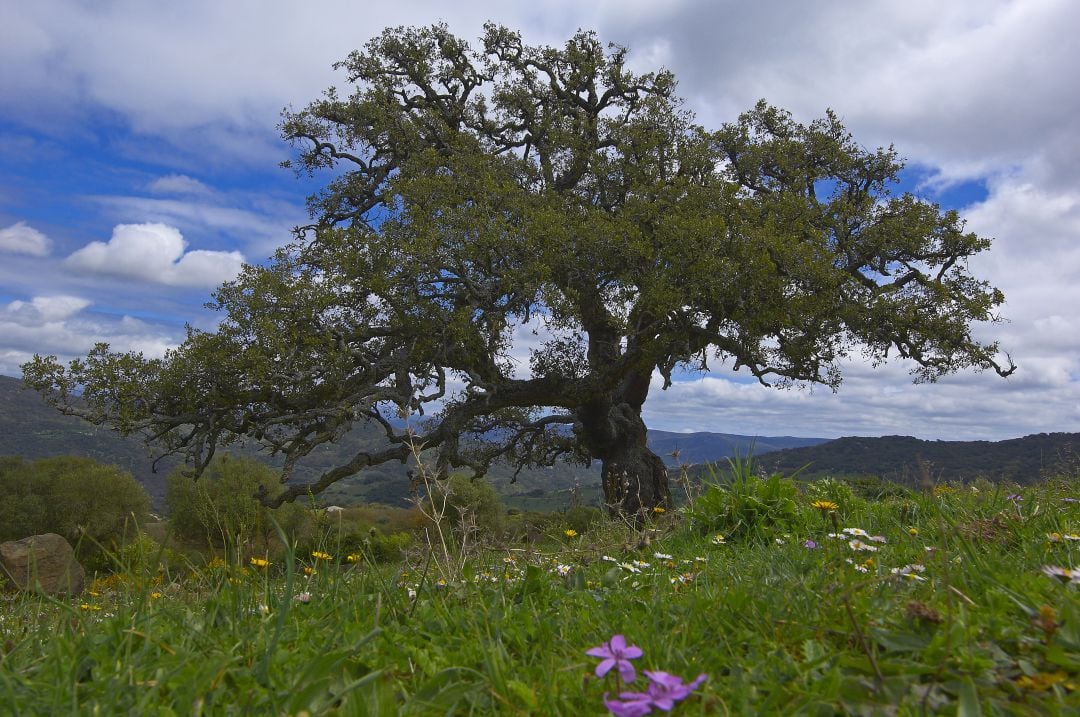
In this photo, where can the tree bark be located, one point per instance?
(634, 479)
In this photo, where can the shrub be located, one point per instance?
(470, 503)
(91, 504)
(220, 509)
(746, 505)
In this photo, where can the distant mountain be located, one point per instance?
(33, 430)
(910, 461)
(697, 448)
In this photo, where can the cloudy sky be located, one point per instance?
(139, 167)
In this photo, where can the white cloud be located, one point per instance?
(63, 326)
(178, 184)
(44, 309)
(156, 253)
(21, 238)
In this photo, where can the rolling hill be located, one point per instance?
(34, 430)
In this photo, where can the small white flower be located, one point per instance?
(412, 593)
(304, 597)
(878, 539)
(563, 570)
(608, 558)
(629, 568)
(862, 568)
(857, 532)
(860, 545)
(662, 556)
(641, 564)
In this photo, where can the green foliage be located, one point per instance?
(981, 629)
(745, 505)
(91, 504)
(468, 504)
(221, 508)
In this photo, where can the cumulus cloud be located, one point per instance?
(65, 327)
(178, 184)
(156, 253)
(21, 238)
(44, 309)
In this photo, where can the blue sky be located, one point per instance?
(138, 168)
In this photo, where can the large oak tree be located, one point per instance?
(474, 194)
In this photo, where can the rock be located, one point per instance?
(42, 562)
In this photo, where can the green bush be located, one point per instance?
(220, 509)
(745, 504)
(91, 504)
(469, 503)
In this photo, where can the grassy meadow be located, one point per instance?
(790, 598)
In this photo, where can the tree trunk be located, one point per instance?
(634, 478)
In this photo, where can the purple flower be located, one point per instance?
(1015, 497)
(664, 691)
(632, 704)
(809, 544)
(616, 653)
(667, 689)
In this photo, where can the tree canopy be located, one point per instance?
(477, 194)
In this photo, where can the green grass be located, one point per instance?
(779, 628)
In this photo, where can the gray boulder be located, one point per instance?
(45, 563)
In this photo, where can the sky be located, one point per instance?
(139, 168)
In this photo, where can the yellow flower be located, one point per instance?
(718, 539)
(354, 557)
(88, 606)
(570, 533)
(309, 571)
(659, 509)
(320, 555)
(824, 505)
(216, 563)
(913, 532)
(260, 562)
(155, 595)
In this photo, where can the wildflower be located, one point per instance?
(862, 568)
(608, 558)
(913, 532)
(683, 579)
(88, 606)
(661, 556)
(260, 562)
(309, 571)
(860, 545)
(911, 572)
(155, 595)
(663, 692)
(1054, 537)
(412, 593)
(856, 532)
(1071, 537)
(354, 557)
(700, 559)
(441, 583)
(878, 539)
(1070, 500)
(629, 567)
(810, 544)
(641, 564)
(562, 570)
(1064, 574)
(304, 597)
(615, 653)
(216, 563)
(264, 609)
(659, 509)
(824, 505)
(570, 533)
(320, 555)
(779, 541)
(718, 539)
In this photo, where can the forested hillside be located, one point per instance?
(911, 461)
